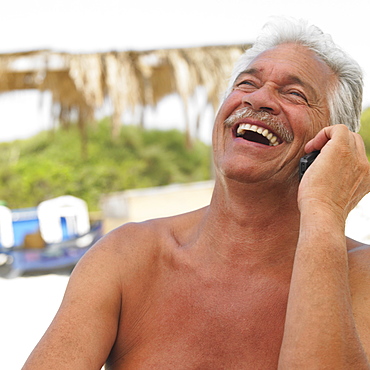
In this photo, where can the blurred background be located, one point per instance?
(112, 102)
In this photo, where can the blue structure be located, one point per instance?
(53, 235)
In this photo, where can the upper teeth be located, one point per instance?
(273, 140)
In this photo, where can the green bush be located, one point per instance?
(51, 164)
(365, 130)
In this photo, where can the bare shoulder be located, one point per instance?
(359, 263)
(144, 238)
(135, 246)
(359, 274)
(156, 230)
(119, 254)
(358, 255)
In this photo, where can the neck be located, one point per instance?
(256, 220)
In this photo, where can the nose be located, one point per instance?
(262, 99)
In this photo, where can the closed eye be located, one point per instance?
(246, 83)
(299, 94)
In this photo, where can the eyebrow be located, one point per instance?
(251, 71)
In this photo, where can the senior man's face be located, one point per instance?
(277, 104)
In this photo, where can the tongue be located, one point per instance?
(255, 137)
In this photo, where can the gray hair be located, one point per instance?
(345, 101)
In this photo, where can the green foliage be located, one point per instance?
(365, 129)
(50, 164)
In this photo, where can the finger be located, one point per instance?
(359, 143)
(325, 135)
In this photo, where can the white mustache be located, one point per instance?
(271, 121)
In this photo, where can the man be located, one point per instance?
(264, 277)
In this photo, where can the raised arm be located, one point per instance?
(84, 329)
(322, 328)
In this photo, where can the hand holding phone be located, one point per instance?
(306, 162)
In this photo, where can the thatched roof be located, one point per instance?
(82, 82)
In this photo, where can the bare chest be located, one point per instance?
(193, 322)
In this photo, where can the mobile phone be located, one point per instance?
(306, 162)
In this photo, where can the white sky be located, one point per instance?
(103, 25)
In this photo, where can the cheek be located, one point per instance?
(216, 129)
(231, 102)
(226, 109)
(217, 138)
(319, 120)
(308, 124)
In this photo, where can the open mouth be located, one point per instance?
(257, 134)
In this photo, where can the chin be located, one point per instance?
(251, 174)
(240, 172)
